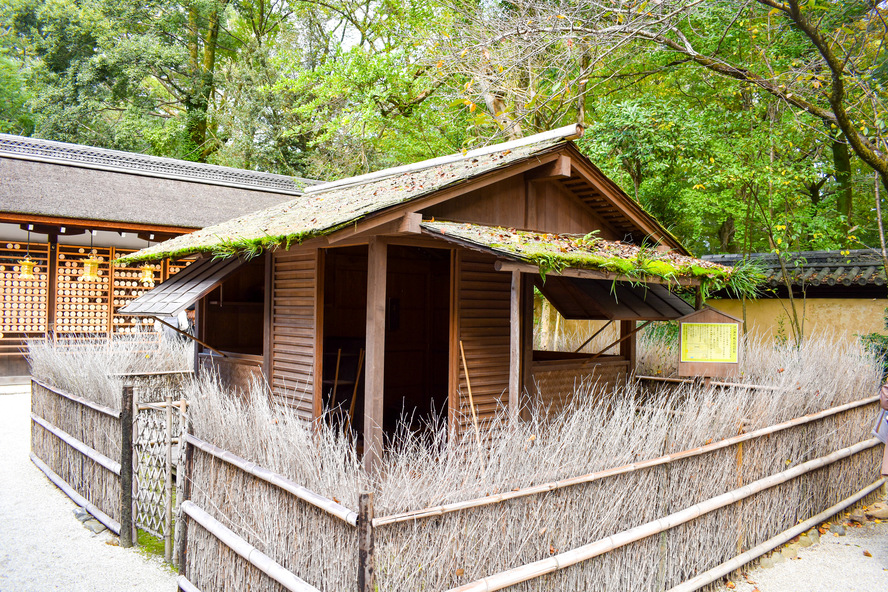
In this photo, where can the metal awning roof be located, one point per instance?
(584, 298)
(183, 289)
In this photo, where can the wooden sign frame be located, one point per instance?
(715, 351)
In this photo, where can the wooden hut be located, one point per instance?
(423, 276)
(60, 201)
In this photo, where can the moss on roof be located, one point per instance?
(556, 252)
(323, 212)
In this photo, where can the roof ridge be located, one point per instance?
(567, 132)
(93, 157)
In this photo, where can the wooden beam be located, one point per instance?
(374, 377)
(93, 224)
(591, 274)
(407, 224)
(267, 320)
(515, 335)
(559, 169)
(318, 376)
(627, 347)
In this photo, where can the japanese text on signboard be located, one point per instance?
(709, 342)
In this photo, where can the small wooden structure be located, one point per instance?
(366, 301)
(709, 344)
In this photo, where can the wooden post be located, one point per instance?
(168, 475)
(515, 344)
(366, 560)
(126, 467)
(374, 377)
(182, 519)
(627, 347)
(180, 488)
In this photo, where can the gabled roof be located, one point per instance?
(329, 207)
(61, 180)
(816, 268)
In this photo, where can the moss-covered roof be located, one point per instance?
(322, 212)
(556, 252)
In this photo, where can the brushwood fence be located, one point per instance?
(674, 523)
(84, 448)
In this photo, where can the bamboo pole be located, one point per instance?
(90, 453)
(471, 400)
(351, 406)
(331, 507)
(561, 561)
(707, 577)
(85, 402)
(630, 468)
(186, 586)
(336, 377)
(260, 560)
(366, 544)
(168, 484)
(126, 467)
(181, 478)
(594, 335)
(757, 387)
(618, 341)
(112, 524)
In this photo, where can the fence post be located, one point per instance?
(126, 467)
(366, 561)
(183, 476)
(168, 485)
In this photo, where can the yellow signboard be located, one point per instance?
(709, 342)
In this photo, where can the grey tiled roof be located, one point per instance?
(155, 166)
(818, 268)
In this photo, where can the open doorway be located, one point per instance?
(416, 338)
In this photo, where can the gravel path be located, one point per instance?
(835, 564)
(42, 545)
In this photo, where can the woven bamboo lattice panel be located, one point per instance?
(150, 459)
(23, 303)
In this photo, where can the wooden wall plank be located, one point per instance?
(293, 322)
(483, 315)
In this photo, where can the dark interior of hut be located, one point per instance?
(234, 310)
(416, 340)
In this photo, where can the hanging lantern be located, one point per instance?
(26, 269)
(147, 277)
(90, 270)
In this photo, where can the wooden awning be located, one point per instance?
(584, 298)
(183, 289)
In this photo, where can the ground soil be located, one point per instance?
(42, 546)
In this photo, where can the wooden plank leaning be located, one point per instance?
(260, 560)
(331, 507)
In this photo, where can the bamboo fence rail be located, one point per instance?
(77, 445)
(630, 468)
(78, 499)
(327, 505)
(80, 400)
(185, 585)
(560, 561)
(260, 560)
(739, 561)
